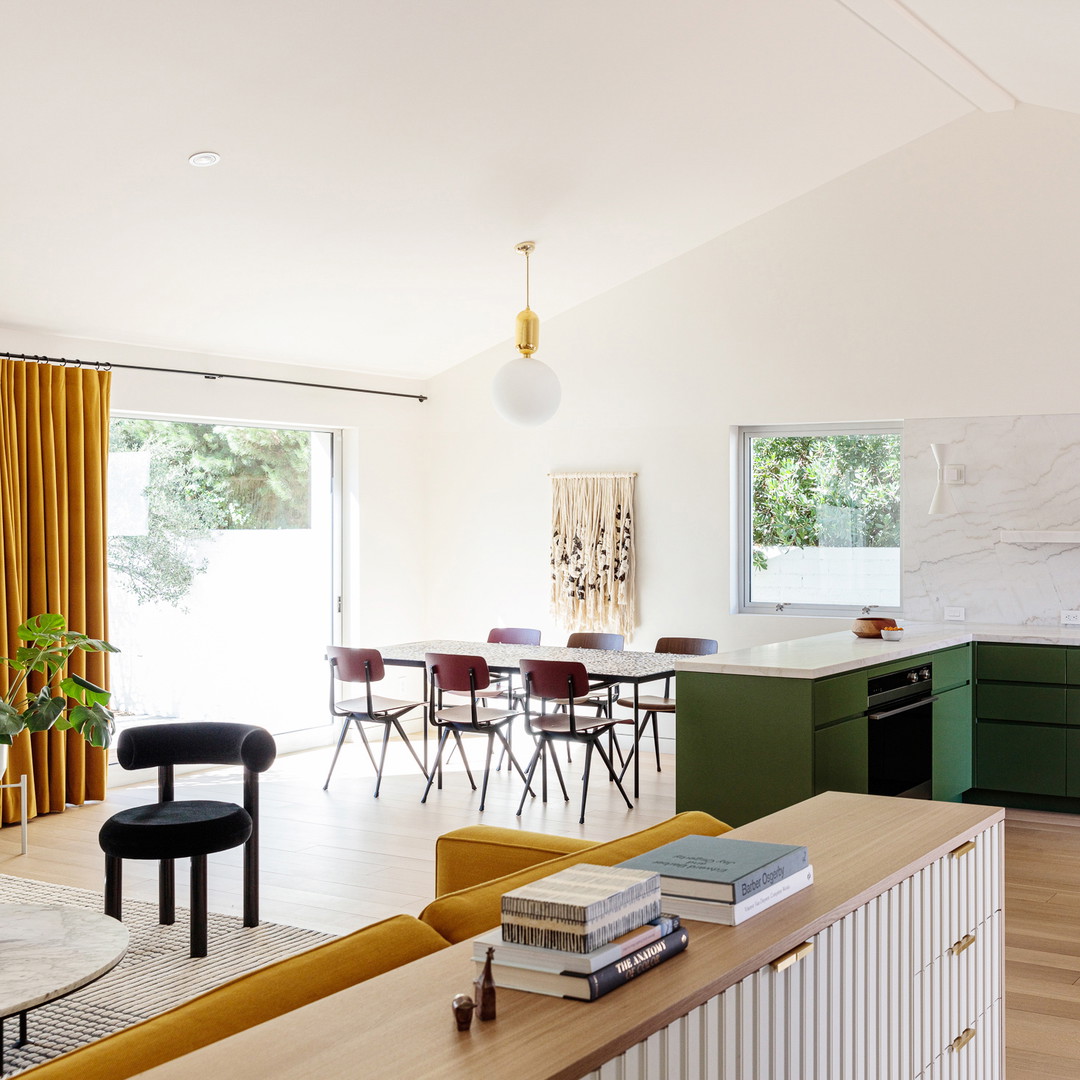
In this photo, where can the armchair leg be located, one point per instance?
(198, 905)
(167, 892)
(114, 876)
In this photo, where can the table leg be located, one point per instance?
(637, 743)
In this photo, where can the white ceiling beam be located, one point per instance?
(893, 21)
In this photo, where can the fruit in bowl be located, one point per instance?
(892, 633)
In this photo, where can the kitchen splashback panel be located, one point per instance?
(1022, 473)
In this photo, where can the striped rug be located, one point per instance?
(155, 974)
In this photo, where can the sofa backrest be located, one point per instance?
(461, 915)
(248, 1000)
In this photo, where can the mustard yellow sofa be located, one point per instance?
(474, 866)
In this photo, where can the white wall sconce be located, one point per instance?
(947, 476)
(526, 391)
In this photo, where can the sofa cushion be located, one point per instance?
(251, 999)
(475, 854)
(460, 916)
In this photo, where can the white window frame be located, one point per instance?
(743, 541)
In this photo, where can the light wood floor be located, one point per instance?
(338, 860)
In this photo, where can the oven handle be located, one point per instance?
(928, 700)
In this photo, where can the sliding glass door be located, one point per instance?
(222, 572)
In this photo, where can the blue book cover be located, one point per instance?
(719, 867)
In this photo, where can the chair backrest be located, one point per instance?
(513, 635)
(688, 646)
(199, 743)
(354, 665)
(555, 678)
(457, 672)
(612, 642)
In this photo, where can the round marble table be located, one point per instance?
(49, 950)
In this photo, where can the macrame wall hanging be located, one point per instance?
(592, 551)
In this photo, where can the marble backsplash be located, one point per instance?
(1022, 473)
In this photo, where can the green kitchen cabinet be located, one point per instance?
(841, 756)
(1029, 758)
(952, 770)
(748, 745)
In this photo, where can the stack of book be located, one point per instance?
(723, 880)
(580, 933)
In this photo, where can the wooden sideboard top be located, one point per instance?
(400, 1024)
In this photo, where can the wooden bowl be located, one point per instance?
(870, 627)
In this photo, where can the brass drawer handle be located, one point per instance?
(962, 1040)
(964, 943)
(963, 849)
(783, 962)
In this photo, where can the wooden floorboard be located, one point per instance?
(340, 859)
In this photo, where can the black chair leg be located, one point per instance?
(487, 768)
(656, 741)
(443, 736)
(558, 773)
(382, 759)
(464, 759)
(405, 739)
(337, 750)
(167, 892)
(618, 783)
(537, 754)
(198, 905)
(585, 777)
(114, 876)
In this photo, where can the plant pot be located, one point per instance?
(869, 627)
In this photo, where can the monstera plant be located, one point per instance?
(68, 701)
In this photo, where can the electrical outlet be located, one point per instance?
(1070, 618)
(954, 614)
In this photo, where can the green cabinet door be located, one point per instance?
(953, 732)
(1020, 757)
(841, 757)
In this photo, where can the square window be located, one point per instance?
(819, 519)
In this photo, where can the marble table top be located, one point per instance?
(630, 666)
(48, 950)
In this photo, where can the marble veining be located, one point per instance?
(1021, 479)
(47, 950)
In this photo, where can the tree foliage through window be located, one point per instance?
(205, 477)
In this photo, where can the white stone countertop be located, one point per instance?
(832, 654)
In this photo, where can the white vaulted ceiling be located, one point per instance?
(379, 160)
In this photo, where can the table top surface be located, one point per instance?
(631, 666)
(48, 950)
(400, 1024)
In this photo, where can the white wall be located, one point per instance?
(939, 280)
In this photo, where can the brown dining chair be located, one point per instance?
(366, 666)
(461, 674)
(545, 682)
(602, 692)
(649, 706)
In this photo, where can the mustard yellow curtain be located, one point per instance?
(54, 437)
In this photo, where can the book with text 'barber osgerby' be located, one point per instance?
(719, 911)
(596, 984)
(720, 867)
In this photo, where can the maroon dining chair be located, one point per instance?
(366, 666)
(461, 674)
(649, 705)
(565, 680)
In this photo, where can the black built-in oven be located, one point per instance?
(900, 709)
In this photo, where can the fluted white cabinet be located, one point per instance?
(905, 987)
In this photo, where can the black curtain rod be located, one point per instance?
(100, 366)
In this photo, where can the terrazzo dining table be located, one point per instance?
(49, 950)
(628, 666)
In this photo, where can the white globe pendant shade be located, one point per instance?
(526, 392)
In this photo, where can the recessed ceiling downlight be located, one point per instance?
(204, 158)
